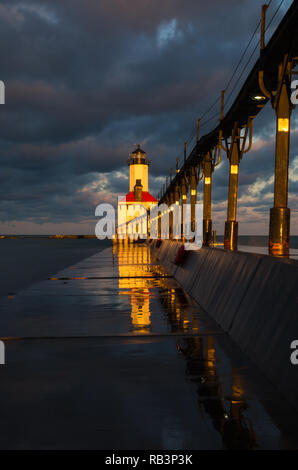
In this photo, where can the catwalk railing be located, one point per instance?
(270, 79)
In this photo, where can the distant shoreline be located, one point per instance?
(248, 240)
(47, 236)
(88, 236)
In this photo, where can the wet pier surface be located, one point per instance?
(111, 353)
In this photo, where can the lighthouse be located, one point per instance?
(138, 194)
(138, 179)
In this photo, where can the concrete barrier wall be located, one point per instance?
(166, 254)
(254, 298)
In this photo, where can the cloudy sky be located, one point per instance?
(88, 79)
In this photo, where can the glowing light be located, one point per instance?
(234, 169)
(283, 125)
(193, 192)
(207, 180)
(259, 98)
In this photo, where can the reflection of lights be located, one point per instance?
(210, 353)
(140, 310)
(136, 282)
(237, 388)
(226, 416)
(195, 326)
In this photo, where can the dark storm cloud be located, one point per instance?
(87, 79)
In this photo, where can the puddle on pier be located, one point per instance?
(121, 357)
(231, 395)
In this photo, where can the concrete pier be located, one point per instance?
(112, 353)
(252, 297)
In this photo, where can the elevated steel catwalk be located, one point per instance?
(284, 40)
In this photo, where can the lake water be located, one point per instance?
(29, 259)
(32, 259)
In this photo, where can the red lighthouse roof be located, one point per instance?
(146, 197)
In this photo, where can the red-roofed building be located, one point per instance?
(138, 194)
(146, 197)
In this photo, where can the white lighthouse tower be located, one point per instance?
(138, 194)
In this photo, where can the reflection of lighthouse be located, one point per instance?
(138, 195)
(140, 310)
(132, 261)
